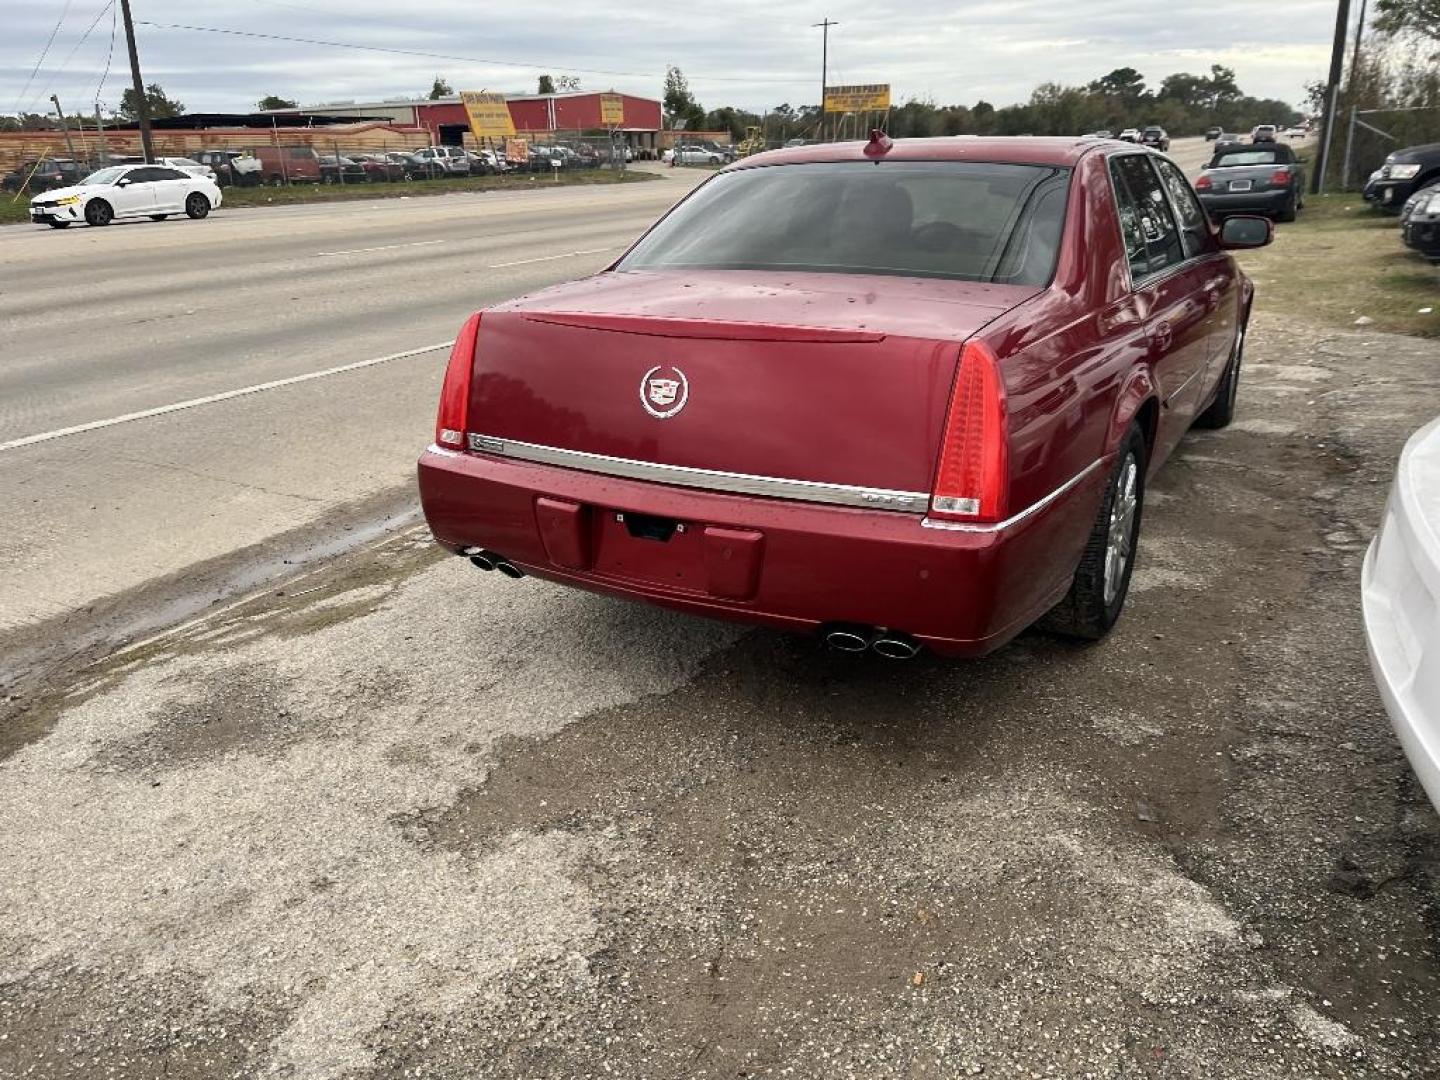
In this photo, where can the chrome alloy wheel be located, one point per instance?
(1120, 541)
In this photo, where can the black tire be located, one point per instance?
(158, 217)
(1292, 205)
(1102, 580)
(1222, 409)
(58, 224)
(99, 212)
(197, 206)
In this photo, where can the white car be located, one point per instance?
(697, 155)
(446, 159)
(1130, 135)
(1400, 597)
(187, 165)
(126, 191)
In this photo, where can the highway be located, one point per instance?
(336, 318)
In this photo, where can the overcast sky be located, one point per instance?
(751, 53)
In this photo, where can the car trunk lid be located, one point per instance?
(821, 378)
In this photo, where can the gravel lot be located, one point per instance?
(399, 818)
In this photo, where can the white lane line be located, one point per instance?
(383, 247)
(552, 258)
(210, 399)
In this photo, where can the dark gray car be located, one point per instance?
(1244, 178)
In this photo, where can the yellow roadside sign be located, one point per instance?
(874, 97)
(612, 110)
(489, 115)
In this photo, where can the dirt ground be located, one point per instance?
(399, 818)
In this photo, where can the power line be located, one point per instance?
(109, 53)
(74, 49)
(43, 53)
(450, 56)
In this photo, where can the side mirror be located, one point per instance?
(124, 181)
(1246, 231)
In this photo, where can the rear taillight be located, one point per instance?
(454, 411)
(1280, 177)
(1202, 184)
(974, 472)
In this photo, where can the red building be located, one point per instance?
(534, 115)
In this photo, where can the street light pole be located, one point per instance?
(824, 68)
(142, 103)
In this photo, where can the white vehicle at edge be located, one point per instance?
(1400, 596)
(187, 165)
(126, 191)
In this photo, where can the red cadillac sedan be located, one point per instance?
(900, 393)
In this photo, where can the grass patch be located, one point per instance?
(1342, 261)
(17, 210)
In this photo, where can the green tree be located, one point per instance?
(440, 89)
(1124, 83)
(270, 101)
(1418, 17)
(547, 85)
(160, 106)
(681, 108)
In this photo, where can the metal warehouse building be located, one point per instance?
(534, 115)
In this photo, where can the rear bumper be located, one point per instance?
(1400, 598)
(1247, 202)
(790, 565)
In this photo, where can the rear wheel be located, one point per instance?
(1102, 580)
(1292, 204)
(1222, 409)
(197, 206)
(99, 212)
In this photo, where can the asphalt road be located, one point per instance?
(101, 324)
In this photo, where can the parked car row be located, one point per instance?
(1408, 185)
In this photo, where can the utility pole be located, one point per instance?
(1354, 100)
(64, 128)
(142, 103)
(824, 67)
(100, 134)
(1332, 92)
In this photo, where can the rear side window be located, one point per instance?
(966, 220)
(1251, 157)
(1152, 239)
(1194, 225)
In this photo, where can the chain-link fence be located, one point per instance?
(38, 161)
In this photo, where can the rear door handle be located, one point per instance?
(1162, 336)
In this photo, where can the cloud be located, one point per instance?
(750, 53)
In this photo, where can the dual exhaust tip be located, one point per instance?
(490, 560)
(890, 644)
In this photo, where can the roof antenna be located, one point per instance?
(879, 144)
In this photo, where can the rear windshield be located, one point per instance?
(950, 219)
(1247, 157)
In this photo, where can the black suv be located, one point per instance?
(1155, 136)
(1404, 173)
(47, 175)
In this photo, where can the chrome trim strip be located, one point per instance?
(1181, 388)
(775, 487)
(1033, 508)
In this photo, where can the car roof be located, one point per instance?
(1011, 150)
